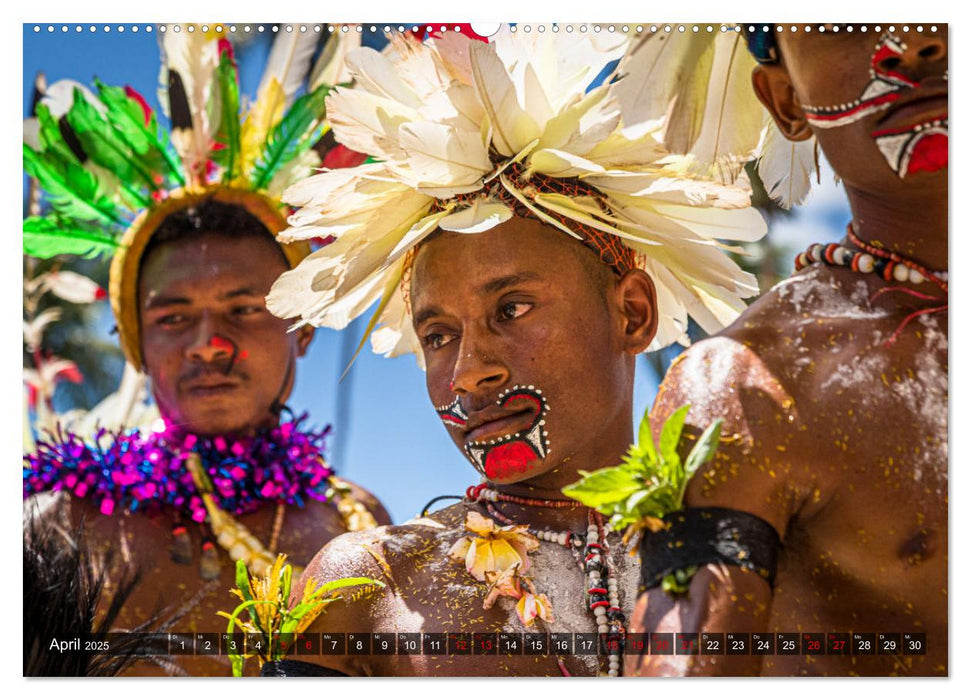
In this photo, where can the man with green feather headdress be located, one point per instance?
(227, 473)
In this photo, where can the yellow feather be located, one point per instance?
(264, 113)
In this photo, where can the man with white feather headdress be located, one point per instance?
(227, 474)
(526, 233)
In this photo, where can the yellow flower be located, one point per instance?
(531, 606)
(506, 583)
(496, 549)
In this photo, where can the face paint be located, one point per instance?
(921, 147)
(512, 454)
(226, 345)
(883, 90)
(913, 149)
(452, 414)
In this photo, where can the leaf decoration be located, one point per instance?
(45, 237)
(296, 132)
(272, 616)
(651, 481)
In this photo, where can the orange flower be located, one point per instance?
(531, 606)
(496, 549)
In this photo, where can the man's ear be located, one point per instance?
(773, 86)
(304, 335)
(636, 299)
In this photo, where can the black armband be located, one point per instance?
(289, 668)
(699, 536)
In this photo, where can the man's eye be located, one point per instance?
(513, 309)
(247, 310)
(171, 319)
(435, 341)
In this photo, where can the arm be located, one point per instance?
(722, 378)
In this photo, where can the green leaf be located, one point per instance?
(242, 580)
(45, 237)
(646, 483)
(286, 579)
(228, 135)
(295, 133)
(645, 438)
(346, 583)
(671, 436)
(604, 486)
(704, 449)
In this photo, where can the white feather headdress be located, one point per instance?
(453, 116)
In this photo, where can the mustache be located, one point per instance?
(223, 369)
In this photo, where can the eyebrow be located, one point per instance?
(491, 287)
(162, 301)
(500, 283)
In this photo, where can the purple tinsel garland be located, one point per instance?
(137, 473)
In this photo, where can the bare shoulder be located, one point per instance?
(758, 376)
(389, 553)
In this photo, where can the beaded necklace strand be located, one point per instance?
(592, 557)
(889, 265)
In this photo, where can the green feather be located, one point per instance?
(73, 191)
(49, 135)
(229, 124)
(296, 132)
(45, 237)
(103, 146)
(127, 118)
(54, 147)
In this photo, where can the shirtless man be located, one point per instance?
(526, 292)
(520, 305)
(220, 365)
(833, 389)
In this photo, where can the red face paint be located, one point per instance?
(516, 454)
(510, 459)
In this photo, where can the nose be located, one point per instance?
(209, 346)
(476, 367)
(921, 58)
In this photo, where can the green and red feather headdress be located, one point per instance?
(111, 172)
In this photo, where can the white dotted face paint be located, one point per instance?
(512, 454)
(907, 149)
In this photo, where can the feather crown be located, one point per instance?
(463, 132)
(111, 173)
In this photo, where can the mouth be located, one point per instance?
(506, 440)
(918, 110)
(214, 389)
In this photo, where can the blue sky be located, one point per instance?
(389, 439)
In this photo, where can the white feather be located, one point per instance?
(662, 76)
(289, 62)
(786, 166)
(733, 116)
(331, 66)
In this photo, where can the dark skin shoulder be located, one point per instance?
(839, 440)
(427, 591)
(175, 593)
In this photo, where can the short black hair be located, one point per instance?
(210, 218)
